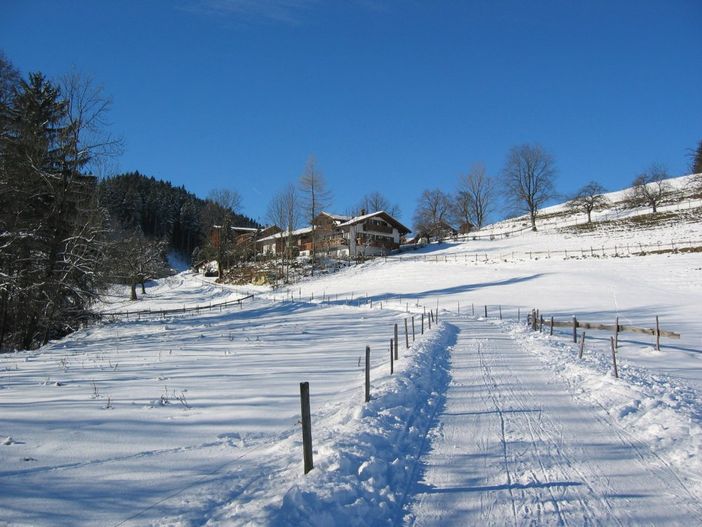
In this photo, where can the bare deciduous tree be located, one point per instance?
(528, 178)
(374, 202)
(696, 159)
(284, 212)
(474, 198)
(433, 210)
(226, 198)
(87, 110)
(650, 188)
(136, 259)
(316, 196)
(218, 215)
(589, 198)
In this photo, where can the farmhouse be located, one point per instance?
(362, 236)
(275, 244)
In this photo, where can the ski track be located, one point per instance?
(515, 448)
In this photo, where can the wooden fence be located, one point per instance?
(163, 313)
(617, 251)
(537, 322)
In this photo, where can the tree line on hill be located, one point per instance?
(526, 184)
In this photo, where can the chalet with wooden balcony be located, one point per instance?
(363, 236)
(375, 234)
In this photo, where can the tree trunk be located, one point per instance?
(3, 319)
(133, 295)
(654, 207)
(143, 287)
(589, 217)
(533, 221)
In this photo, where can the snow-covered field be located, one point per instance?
(193, 419)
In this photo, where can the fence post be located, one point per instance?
(486, 311)
(541, 324)
(392, 360)
(458, 306)
(422, 323)
(397, 344)
(406, 335)
(429, 319)
(658, 335)
(582, 345)
(616, 333)
(437, 314)
(472, 309)
(412, 328)
(306, 426)
(551, 333)
(500, 308)
(614, 357)
(575, 329)
(519, 315)
(367, 373)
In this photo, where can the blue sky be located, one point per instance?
(387, 95)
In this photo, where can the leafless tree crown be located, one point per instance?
(528, 178)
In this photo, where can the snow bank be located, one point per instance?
(656, 409)
(367, 456)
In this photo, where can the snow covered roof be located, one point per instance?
(335, 217)
(284, 234)
(381, 214)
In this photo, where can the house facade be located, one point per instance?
(363, 236)
(277, 243)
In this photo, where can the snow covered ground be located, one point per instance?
(193, 419)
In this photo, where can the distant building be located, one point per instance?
(363, 236)
(276, 243)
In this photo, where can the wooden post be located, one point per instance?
(458, 307)
(397, 344)
(575, 329)
(486, 311)
(422, 323)
(519, 315)
(429, 319)
(437, 315)
(412, 328)
(306, 426)
(500, 308)
(392, 360)
(406, 335)
(614, 358)
(658, 335)
(551, 332)
(616, 334)
(582, 345)
(367, 373)
(541, 323)
(472, 309)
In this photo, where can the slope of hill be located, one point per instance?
(191, 418)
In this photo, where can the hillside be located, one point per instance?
(160, 210)
(191, 417)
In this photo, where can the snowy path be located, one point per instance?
(514, 448)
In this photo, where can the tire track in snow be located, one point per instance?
(564, 462)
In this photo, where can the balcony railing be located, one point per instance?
(373, 227)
